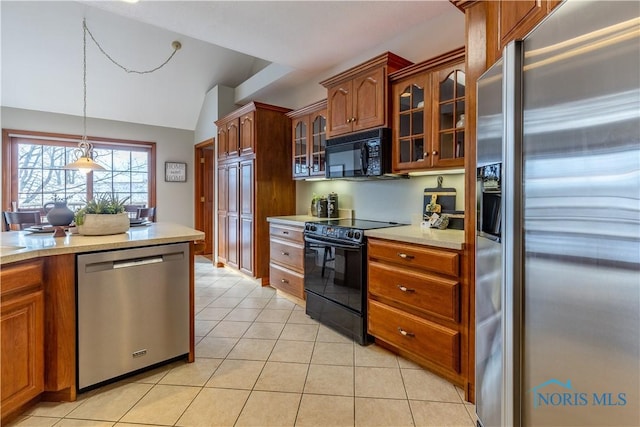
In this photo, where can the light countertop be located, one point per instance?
(294, 220)
(447, 239)
(24, 245)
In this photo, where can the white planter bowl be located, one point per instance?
(104, 224)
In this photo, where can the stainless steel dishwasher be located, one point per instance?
(133, 310)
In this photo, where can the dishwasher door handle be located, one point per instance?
(136, 262)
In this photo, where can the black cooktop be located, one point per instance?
(362, 224)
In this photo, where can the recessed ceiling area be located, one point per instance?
(223, 43)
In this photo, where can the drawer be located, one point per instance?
(437, 260)
(21, 276)
(286, 280)
(287, 253)
(421, 291)
(415, 335)
(286, 232)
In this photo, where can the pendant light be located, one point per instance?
(85, 162)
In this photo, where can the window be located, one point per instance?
(36, 164)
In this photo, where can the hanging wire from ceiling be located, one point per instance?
(85, 162)
(176, 45)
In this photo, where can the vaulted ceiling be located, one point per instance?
(223, 42)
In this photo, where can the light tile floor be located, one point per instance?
(261, 361)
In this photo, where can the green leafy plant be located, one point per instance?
(103, 203)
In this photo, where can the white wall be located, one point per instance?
(174, 200)
(217, 103)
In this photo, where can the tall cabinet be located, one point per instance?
(254, 182)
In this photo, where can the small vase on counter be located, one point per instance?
(58, 215)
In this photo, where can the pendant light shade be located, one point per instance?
(84, 163)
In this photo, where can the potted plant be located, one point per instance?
(102, 215)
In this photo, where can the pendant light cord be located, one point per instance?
(176, 46)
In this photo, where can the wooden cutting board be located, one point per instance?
(445, 197)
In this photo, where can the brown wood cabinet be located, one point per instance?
(22, 333)
(309, 127)
(287, 259)
(511, 20)
(254, 182)
(358, 98)
(418, 305)
(428, 105)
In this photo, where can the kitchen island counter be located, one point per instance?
(446, 239)
(42, 269)
(24, 245)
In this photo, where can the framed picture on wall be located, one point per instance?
(175, 172)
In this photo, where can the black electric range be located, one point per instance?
(335, 279)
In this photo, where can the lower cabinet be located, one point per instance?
(22, 334)
(417, 305)
(286, 267)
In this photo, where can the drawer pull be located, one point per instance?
(285, 253)
(405, 333)
(285, 232)
(284, 281)
(405, 289)
(405, 256)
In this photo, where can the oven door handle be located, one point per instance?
(331, 243)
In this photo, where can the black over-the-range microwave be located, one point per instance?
(360, 155)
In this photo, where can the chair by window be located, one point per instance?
(20, 220)
(132, 210)
(146, 213)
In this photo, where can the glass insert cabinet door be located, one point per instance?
(318, 143)
(449, 143)
(412, 131)
(300, 153)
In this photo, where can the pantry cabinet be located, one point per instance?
(22, 333)
(309, 125)
(417, 305)
(254, 182)
(358, 98)
(428, 105)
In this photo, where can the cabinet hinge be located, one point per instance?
(201, 159)
(202, 199)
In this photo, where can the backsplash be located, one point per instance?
(398, 200)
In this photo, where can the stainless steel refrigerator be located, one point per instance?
(558, 233)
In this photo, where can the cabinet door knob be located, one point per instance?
(353, 119)
(405, 333)
(285, 253)
(435, 153)
(284, 281)
(405, 289)
(405, 256)
(348, 120)
(426, 154)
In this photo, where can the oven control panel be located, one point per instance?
(349, 235)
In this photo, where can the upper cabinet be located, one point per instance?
(236, 136)
(511, 20)
(309, 126)
(357, 99)
(428, 104)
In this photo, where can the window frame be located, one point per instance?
(11, 138)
